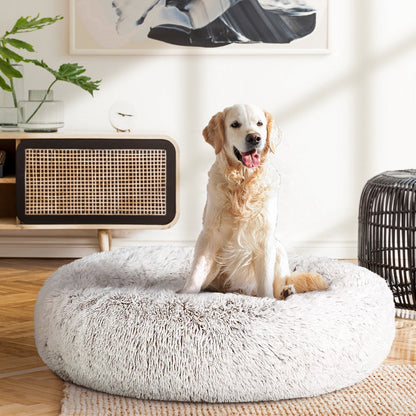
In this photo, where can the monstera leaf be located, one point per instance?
(70, 72)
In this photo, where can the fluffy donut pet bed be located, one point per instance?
(113, 322)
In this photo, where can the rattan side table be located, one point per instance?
(387, 234)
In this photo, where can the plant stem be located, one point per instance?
(43, 100)
(15, 103)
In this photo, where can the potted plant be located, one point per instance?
(34, 114)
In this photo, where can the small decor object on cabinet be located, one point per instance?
(11, 68)
(8, 119)
(122, 116)
(2, 161)
(387, 234)
(41, 113)
(11, 74)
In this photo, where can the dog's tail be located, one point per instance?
(306, 282)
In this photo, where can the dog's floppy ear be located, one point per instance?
(214, 132)
(273, 132)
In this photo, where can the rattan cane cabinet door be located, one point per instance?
(114, 181)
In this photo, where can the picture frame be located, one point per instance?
(93, 32)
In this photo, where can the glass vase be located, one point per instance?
(9, 102)
(41, 113)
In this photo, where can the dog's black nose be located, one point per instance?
(253, 138)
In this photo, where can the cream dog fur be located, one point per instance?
(237, 249)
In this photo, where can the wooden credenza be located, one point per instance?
(88, 180)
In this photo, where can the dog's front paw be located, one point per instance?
(287, 291)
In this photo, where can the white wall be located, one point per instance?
(345, 117)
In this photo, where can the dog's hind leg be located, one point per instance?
(286, 283)
(281, 289)
(306, 282)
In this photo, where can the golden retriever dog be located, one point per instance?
(237, 250)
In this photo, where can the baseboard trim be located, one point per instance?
(75, 247)
(57, 247)
(334, 249)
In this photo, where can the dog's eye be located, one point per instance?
(235, 125)
(259, 123)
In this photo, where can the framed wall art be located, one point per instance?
(162, 27)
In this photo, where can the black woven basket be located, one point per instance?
(387, 232)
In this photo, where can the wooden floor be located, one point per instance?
(27, 387)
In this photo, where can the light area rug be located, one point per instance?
(390, 391)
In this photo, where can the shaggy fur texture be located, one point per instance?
(113, 322)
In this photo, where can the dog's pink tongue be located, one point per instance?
(251, 159)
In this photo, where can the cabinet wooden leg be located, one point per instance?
(104, 240)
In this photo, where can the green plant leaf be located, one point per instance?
(70, 72)
(29, 24)
(5, 85)
(6, 53)
(8, 70)
(19, 44)
(43, 65)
